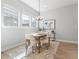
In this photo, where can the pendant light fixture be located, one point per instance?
(39, 17)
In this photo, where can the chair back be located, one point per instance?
(27, 43)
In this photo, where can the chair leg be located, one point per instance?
(32, 49)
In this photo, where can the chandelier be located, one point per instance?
(39, 18)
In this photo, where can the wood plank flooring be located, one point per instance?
(67, 51)
(64, 51)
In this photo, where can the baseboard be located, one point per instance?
(12, 46)
(67, 41)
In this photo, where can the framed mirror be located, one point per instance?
(49, 24)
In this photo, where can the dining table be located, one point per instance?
(38, 37)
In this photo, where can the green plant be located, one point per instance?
(39, 29)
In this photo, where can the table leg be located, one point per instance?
(39, 45)
(49, 41)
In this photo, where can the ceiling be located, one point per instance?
(46, 5)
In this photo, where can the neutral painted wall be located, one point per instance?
(11, 37)
(66, 22)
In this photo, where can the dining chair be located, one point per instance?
(45, 42)
(34, 44)
(31, 42)
(27, 44)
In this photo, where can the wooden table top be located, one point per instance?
(39, 34)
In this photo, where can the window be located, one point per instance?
(33, 22)
(10, 17)
(25, 21)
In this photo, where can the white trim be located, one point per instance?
(67, 41)
(19, 19)
(9, 7)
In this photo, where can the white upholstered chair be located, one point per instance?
(30, 43)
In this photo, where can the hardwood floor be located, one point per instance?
(64, 51)
(67, 51)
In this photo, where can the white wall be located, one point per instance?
(11, 37)
(66, 22)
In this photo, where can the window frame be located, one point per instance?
(22, 21)
(10, 9)
(32, 23)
